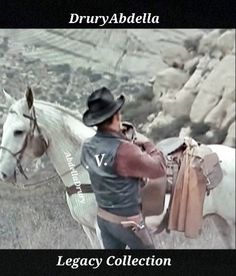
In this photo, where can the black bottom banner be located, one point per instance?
(110, 262)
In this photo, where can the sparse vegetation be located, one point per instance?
(171, 130)
(191, 44)
(61, 68)
(138, 111)
(199, 129)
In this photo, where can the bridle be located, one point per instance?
(19, 154)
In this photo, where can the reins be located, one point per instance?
(41, 182)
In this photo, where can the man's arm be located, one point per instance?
(131, 161)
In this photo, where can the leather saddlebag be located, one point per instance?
(153, 196)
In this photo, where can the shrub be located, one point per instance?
(199, 128)
(138, 111)
(61, 68)
(171, 130)
(198, 132)
(95, 77)
(221, 135)
(146, 96)
(191, 45)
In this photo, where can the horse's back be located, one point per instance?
(226, 155)
(224, 194)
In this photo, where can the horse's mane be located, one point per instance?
(77, 115)
(66, 115)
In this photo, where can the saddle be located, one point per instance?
(202, 158)
(171, 145)
(198, 172)
(208, 164)
(203, 162)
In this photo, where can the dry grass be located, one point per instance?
(210, 238)
(40, 219)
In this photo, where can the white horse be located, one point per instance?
(63, 133)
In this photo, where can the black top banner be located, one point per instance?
(117, 14)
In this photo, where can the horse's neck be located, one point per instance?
(65, 134)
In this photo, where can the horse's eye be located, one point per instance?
(18, 132)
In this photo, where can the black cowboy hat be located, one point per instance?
(101, 106)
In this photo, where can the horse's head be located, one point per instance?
(22, 140)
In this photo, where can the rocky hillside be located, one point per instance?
(177, 82)
(197, 90)
(182, 80)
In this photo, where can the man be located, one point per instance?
(116, 167)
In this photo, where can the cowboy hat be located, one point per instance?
(101, 106)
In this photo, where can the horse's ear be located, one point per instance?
(9, 100)
(29, 97)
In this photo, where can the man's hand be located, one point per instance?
(140, 139)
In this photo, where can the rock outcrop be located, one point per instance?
(206, 93)
(215, 94)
